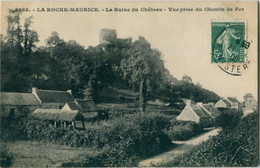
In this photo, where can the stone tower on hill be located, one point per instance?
(107, 36)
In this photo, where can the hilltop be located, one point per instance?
(116, 70)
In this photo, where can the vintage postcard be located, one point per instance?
(129, 84)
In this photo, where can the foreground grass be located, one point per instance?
(38, 154)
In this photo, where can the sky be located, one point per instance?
(184, 38)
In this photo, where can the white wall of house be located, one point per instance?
(220, 104)
(188, 114)
(66, 107)
(234, 105)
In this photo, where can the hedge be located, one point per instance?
(124, 140)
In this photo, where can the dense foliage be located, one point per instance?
(236, 147)
(6, 157)
(124, 139)
(229, 119)
(183, 130)
(63, 65)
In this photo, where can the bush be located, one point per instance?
(10, 129)
(123, 139)
(229, 118)
(133, 136)
(6, 158)
(183, 130)
(234, 148)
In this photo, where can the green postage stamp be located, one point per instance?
(228, 42)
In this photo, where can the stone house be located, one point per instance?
(87, 108)
(223, 103)
(235, 104)
(52, 99)
(70, 106)
(15, 104)
(204, 114)
(210, 110)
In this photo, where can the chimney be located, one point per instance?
(34, 90)
(70, 92)
(200, 103)
(211, 103)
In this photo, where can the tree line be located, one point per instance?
(66, 65)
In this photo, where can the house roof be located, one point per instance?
(87, 105)
(23, 99)
(199, 111)
(234, 100)
(73, 106)
(211, 109)
(226, 102)
(54, 96)
(57, 114)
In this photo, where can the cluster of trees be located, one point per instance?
(65, 65)
(17, 48)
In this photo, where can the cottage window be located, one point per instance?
(12, 112)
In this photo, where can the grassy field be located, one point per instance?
(37, 154)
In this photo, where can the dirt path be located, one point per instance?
(185, 146)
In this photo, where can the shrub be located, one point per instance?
(6, 158)
(133, 136)
(229, 118)
(237, 147)
(183, 130)
(10, 129)
(123, 139)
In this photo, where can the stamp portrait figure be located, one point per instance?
(225, 40)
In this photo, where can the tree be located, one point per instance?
(248, 96)
(16, 50)
(59, 63)
(186, 79)
(14, 31)
(142, 67)
(30, 37)
(229, 118)
(53, 40)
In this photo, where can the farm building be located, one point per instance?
(222, 103)
(199, 113)
(87, 108)
(70, 106)
(59, 118)
(229, 102)
(86, 105)
(52, 99)
(235, 104)
(210, 110)
(17, 104)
